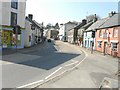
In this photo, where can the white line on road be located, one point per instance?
(31, 84)
(71, 63)
(53, 72)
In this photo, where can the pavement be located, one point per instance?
(88, 74)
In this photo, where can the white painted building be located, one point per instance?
(12, 13)
(63, 31)
(33, 32)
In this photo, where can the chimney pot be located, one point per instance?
(30, 16)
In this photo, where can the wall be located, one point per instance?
(87, 42)
(6, 13)
(68, 26)
(61, 32)
(71, 35)
(103, 40)
(27, 33)
(119, 42)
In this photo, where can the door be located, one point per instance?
(105, 48)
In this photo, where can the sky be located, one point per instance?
(62, 11)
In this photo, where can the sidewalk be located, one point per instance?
(89, 74)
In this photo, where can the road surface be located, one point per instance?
(37, 63)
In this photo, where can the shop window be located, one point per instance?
(115, 32)
(14, 4)
(114, 46)
(99, 44)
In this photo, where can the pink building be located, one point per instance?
(108, 37)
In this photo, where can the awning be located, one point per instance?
(6, 28)
(3, 27)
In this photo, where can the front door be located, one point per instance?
(105, 48)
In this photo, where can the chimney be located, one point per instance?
(95, 18)
(30, 16)
(112, 13)
(84, 21)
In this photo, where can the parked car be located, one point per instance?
(49, 40)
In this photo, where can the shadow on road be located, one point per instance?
(47, 57)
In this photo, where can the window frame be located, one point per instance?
(114, 33)
(113, 48)
(100, 33)
(12, 22)
(99, 44)
(14, 4)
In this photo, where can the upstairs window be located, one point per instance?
(14, 4)
(115, 32)
(100, 33)
(13, 19)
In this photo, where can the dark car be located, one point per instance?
(49, 40)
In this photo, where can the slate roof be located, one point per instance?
(97, 24)
(34, 22)
(77, 26)
(39, 25)
(86, 26)
(113, 21)
(71, 22)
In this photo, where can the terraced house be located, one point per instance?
(13, 23)
(108, 36)
(33, 31)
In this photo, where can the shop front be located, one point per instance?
(10, 39)
(6, 36)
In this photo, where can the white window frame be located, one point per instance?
(114, 45)
(100, 44)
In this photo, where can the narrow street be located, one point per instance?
(88, 74)
(38, 63)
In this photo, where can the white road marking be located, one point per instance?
(78, 63)
(53, 73)
(71, 63)
(31, 84)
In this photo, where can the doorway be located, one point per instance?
(105, 48)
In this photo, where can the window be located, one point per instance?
(13, 19)
(105, 35)
(32, 27)
(115, 32)
(114, 46)
(99, 44)
(100, 33)
(14, 4)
